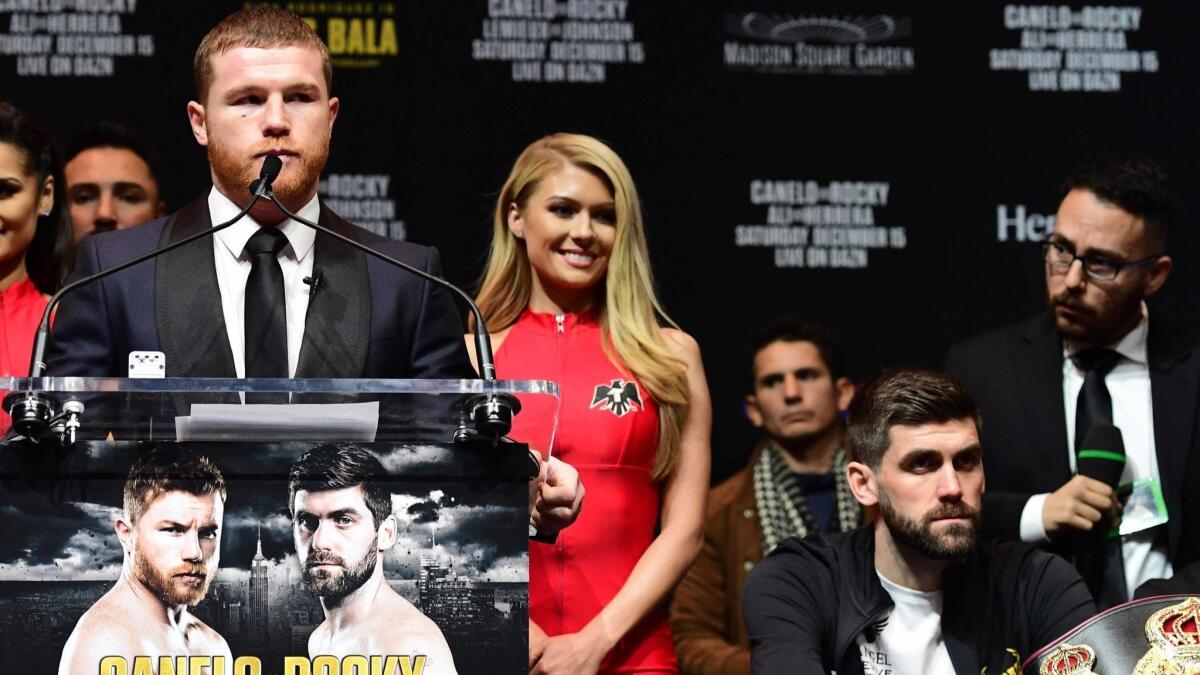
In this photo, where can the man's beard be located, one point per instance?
(234, 172)
(164, 585)
(955, 541)
(329, 584)
(1096, 328)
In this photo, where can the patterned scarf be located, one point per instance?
(782, 508)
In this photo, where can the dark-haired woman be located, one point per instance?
(35, 233)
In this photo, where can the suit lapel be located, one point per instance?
(191, 325)
(338, 321)
(1173, 391)
(1039, 376)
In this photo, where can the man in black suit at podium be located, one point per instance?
(267, 297)
(1097, 355)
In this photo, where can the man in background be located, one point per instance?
(914, 591)
(795, 485)
(111, 182)
(1096, 356)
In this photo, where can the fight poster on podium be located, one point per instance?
(241, 558)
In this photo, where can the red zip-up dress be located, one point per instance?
(21, 307)
(608, 430)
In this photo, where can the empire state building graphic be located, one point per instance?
(260, 569)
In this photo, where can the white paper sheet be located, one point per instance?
(298, 422)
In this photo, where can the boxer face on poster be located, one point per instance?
(342, 524)
(175, 546)
(170, 530)
(337, 540)
(569, 225)
(266, 102)
(1089, 311)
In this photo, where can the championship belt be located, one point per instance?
(1174, 635)
(1109, 642)
(1066, 659)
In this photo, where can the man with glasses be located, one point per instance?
(1095, 357)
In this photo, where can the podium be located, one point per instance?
(459, 501)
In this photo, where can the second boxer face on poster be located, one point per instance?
(337, 539)
(569, 225)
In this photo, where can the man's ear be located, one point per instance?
(1157, 275)
(862, 483)
(845, 393)
(124, 530)
(196, 118)
(335, 106)
(387, 533)
(752, 412)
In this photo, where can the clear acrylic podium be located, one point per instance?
(459, 498)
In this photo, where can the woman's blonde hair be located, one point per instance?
(630, 313)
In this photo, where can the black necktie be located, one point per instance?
(266, 313)
(1094, 404)
(1102, 563)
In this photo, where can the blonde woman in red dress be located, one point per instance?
(568, 296)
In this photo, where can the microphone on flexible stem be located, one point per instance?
(491, 413)
(35, 413)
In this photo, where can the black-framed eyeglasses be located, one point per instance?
(1060, 256)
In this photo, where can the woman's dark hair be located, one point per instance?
(48, 257)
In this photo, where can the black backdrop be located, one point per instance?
(729, 114)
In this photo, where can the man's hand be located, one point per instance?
(559, 498)
(1078, 505)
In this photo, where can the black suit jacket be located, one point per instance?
(367, 319)
(1015, 375)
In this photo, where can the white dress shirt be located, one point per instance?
(1133, 413)
(233, 269)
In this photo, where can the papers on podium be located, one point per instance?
(297, 422)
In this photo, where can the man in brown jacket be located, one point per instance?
(795, 484)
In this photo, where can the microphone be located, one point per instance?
(34, 413)
(492, 413)
(314, 282)
(1102, 455)
(261, 186)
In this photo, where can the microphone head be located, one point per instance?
(1102, 454)
(271, 167)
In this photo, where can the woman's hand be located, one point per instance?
(570, 654)
(537, 644)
